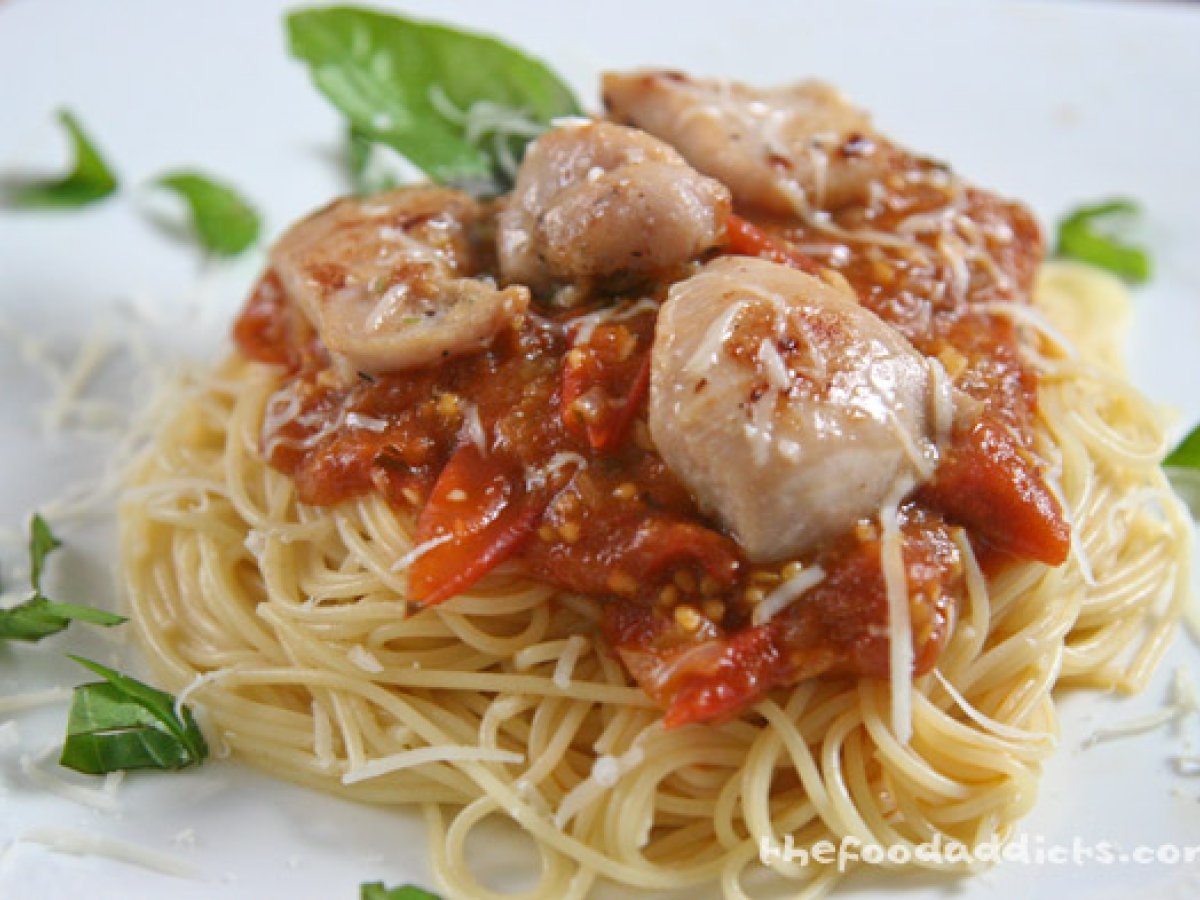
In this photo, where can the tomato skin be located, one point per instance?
(593, 368)
(749, 665)
(481, 513)
(988, 484)
(743, 238)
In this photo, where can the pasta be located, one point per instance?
(719, 491)
(289, 624)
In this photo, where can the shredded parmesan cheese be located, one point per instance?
(64, 840)
(900, 651)
(606, 772)
(405, 561)
(34, 768)
(19, 702)
(428, 755)
(787, 593)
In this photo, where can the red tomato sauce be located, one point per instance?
(568, 482)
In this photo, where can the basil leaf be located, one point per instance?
(31, 621)
(39, 617)
(121, 723)
(375, 890)
(42, 542)
(1182, 467)
(1187, 454)
(1096, 235)
(223, 222)
(459, 106)
(369, 169)
(90, 178)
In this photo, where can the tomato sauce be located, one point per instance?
(536, 448)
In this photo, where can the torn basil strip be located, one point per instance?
(89, 180)
(121, 723)
(459, 106)
(39, 617)
(376, 890)
(223, 221)
(1098, 235)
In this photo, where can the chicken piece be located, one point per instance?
(785, 150)
(599, 201)
(788, 409)
(386, 280)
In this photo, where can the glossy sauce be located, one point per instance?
(597, 512)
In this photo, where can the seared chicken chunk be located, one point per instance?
(598, 201)
(785, 150)
(386, 280)
(788, 409)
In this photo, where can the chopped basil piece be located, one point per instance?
(375, 890)
(42, 542)
(459, 106)
(1187, 454)
(370, 169)
(1097, 235)
(121, 723)
(223, 222)
(40, 617)
(90, 178)
(1182, 467)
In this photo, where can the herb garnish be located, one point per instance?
(375, 890)
(459, 106)
(223, 222)
(1097, 235)
(121, 723)
(40, 617)
(89, 180)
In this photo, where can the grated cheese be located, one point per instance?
(1184, 702)
(900, 649)
(586, 324)
(33, 699)
(1000, 729)
(10, 735)
(473, 426)
(787, 593)
(64, 840)
(385, 765)
(405, 561)
(199, 681)
(606, 773)
(33, 767)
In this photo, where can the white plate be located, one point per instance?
(1056, 104)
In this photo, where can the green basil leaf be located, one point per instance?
(121, 723)
(459, 106)
(1182, 467)
(223, 222)
(89, 180)
(42, 542)
(1187, 454)
(31, 621)
(369, 169)
(375, 890)
(1097, 235)
(39, 617)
